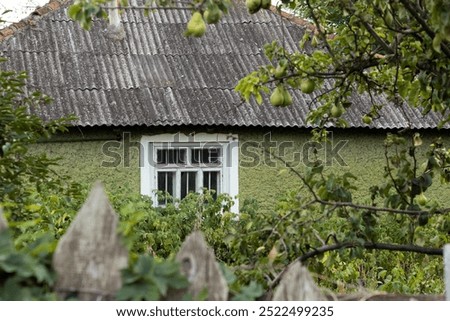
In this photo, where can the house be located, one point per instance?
(157, 110)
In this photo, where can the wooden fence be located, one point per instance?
(89, 258)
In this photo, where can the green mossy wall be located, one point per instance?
(83, 159)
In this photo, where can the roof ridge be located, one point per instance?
(32, 18)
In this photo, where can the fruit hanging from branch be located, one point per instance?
(212, 15)
(196, 27)
(253, 6)
(280, 97)
(307, 86)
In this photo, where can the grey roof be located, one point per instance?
(157, 76)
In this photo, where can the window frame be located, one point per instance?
(229, 167)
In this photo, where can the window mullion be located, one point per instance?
(178, 184)
(200, 186)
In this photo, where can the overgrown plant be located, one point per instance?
(387, 242)
(26, 274)
(30, 186)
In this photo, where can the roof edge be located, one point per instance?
(31, 19)
(293, 18)
(54, 5)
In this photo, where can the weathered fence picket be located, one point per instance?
(297, 285)
(447, 271)
(199, 266)
(3, 222)
(90, 256)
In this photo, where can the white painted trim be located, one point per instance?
(191, 138)
(230, 160)
(447, 271)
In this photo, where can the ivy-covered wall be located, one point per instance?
(86, 154)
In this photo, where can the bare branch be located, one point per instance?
(317, 199)
(371, 246)
(414, 11)
(389, 170)
(320, 30)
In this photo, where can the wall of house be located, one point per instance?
(90, 154)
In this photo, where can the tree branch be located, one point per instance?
(377, 38)
(367, 246)
(373, 208)
(320, 31)
(415, 13)
(371, 246)
(317, 199)
(389, 170)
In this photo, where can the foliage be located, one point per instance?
(322, 226)
(399, 48)
(149, 279)
(34, 196)
(25, 274)
(29, 184)
(160, 231)
(209, 11)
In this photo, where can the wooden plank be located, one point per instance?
(447, 271)
(89, 258)
(3, 222)
(199, 265)
(298, 285)
(381, 296)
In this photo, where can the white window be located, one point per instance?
(177, 164)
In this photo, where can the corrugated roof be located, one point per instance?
(156, 76)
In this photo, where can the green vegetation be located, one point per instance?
(387, 237)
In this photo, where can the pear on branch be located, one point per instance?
(265, 4)
(212, 15)
(337, 110)
(281, 69)
(253, 6)
(307, 86)
(417, 140)
(280, 97)
(196, 27)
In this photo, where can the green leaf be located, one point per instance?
(250, 292)
(143, 265)
(74, 10)
(437, 43)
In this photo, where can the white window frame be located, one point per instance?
(229, 180)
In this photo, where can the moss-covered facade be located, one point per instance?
(90, 154)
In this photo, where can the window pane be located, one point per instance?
(214, 155)
(161, 156)
(211, 181)
(187, 183)
(171, 156)
(205, 156)
(165, 184)
(196, 156)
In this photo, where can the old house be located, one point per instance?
(158, 110)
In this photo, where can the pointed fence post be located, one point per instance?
(199, 265)
(447, 271)
(297, 285)
(89, 258)
(3, 222)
